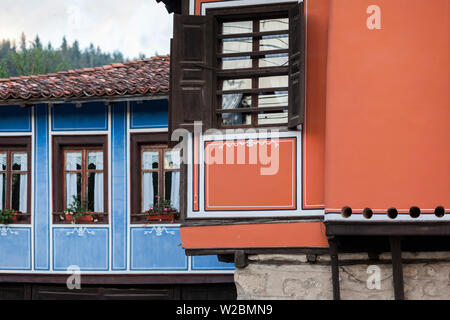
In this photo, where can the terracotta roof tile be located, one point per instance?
(147, 76)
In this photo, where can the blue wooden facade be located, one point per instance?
(116, 247)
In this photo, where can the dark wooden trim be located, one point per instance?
(59, 143)
(11, 144)
(248, 12)
(253, 54)
(251, 110)
(397, 268)
(252, 72)
(253, 34)
(419, 228)
(138, 140)
(75, 100)
(240, 259)
(193, 222)
(335, 268)
(256, 90)
(255, 250)
(185, 7)
(120, 279)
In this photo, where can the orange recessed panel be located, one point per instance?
(251, 174)
(270, 235)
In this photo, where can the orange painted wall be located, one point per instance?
(300, 234)
(388, 108)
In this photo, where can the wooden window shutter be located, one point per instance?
(191, 91)
(296, 66)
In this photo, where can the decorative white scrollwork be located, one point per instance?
(4, 230)
(81, 231)
(159, 231)
(249, 143)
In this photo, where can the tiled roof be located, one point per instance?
(142, 77)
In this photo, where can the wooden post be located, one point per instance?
(397, 268)
(334, 268)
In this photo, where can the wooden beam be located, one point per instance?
(240, 259)
(334, 268)
(397, 267)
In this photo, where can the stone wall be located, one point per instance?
(426, 276)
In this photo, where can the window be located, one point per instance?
(155, 174)
(259, 49)
(239, 67)
(80, 174)
(15, 176)
(83, 178)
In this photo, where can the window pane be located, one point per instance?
(73, 160)
(19, 161)
(274, 60)
(238, 100)
(149, 189)
(229, 119)
(150, 160)
(95, 160)
(237, 27)
(276, 42)
(73, 187)
(172, 159)
(172, 189)
(277, 99)
(274, 24)
(273, 82)
(19, 192)
(2, 190)
(273, 117)
(236, 63)
(2, 161)
(237, 84)
(237, 45)
(95, 192)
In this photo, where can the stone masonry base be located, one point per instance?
(426, 277)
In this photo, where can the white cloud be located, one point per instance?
(133, 26)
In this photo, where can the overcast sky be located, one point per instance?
(131, 26)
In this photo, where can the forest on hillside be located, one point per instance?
(36, 58)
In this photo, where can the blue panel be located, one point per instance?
(210, 263)
(90, 116)
(15, 119)
(15, 248)
(150, 114)
(41, 217)
(87, 248)
(119, 186)
(157, 248)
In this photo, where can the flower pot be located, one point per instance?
(13, 219)
(161, 217)
(82, 219)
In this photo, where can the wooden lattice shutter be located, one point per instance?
(296, 66)
(191, 72)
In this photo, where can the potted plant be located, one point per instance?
(77, 212)
(162, 210)
(8, 216)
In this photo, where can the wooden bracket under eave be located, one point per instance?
(240, 259)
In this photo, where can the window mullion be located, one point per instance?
(161, 175)
(8, 193)
(84, 178)
(255, 60)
